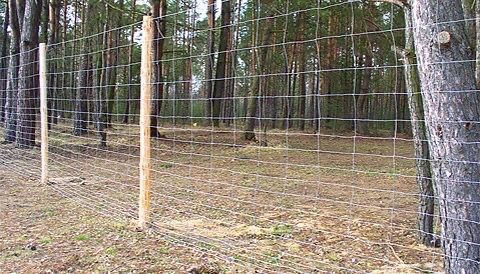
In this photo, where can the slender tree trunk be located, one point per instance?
(80, 121)
(187, 68)
(159, 11)
(303, 68)
(99, 108)
(422, 152)
(290, 86)
(253, 99)
(52, 78)
(325, 82)
(45, 18)
(363, 97)
(229, 103)
(3, 64)
(210, 62)
(63, 91)
(101, 92)
(452, 108)
(130, 68)
(112, 43)
(362, 100)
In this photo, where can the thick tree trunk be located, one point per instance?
(452, 107)
(28, 81)
(219, 83)
(12, 75)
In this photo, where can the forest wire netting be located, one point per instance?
(281, 134)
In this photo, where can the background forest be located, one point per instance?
(331, 65)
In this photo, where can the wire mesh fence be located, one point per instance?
(295, 145)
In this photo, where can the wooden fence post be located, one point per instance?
(42, 66)
(145, 112)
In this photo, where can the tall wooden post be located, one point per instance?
(145, 112)
(42, 66)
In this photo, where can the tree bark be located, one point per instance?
(469, 13)
(210, 63)
(53, 79)
(159, 12)
(224, 44)
(12, 75)
(452, 107)
(249, 132)
(28, 80)
(422, 152)
(303, 68)
(130, 68)
(363, 98)
(3, 64)
(477, 28)
(80, 121)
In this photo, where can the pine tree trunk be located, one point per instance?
(12, 76)
(27, 74)
(210, 62)
(452, 107)
(303, 68)
(477, 28)
(3, 64)
(219, 83)
(159, 11)
(426, 209)
(469, 13)
(80, 120)
(253, 99)
(53, 80)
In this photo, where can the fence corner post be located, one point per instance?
(146, 89)
(42, 68)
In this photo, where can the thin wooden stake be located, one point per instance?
(42, 65)
(145, 111)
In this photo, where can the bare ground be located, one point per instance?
(304, 204)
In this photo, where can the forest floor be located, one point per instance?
(335, 204)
